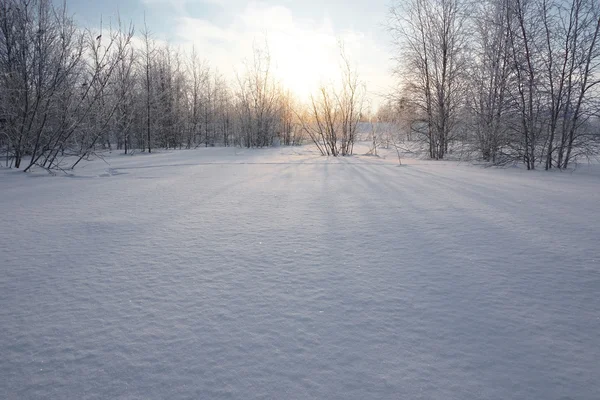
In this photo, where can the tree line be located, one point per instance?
(512, 80)
(515, 79)
(67, 92)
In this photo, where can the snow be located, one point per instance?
(277, 273)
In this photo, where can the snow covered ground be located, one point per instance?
(280, 274)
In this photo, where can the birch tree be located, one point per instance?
(430, 40)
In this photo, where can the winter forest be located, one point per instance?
(316, 199)
(515, 78)
(507, 80)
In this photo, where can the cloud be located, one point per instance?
(177, 6)
(304, 51)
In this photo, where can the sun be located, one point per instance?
(303, 62)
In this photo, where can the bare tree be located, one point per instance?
(257, 98)
(490, 78)
(350, 101)
(54, 78)
(572, 53)
(148, 54)
(430, 38)
(124, 85)
(198, 72)
(40, 49)
(98, 105)
(334, 113)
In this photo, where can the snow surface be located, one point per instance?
(230, 274)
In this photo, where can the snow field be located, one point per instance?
(239, 274)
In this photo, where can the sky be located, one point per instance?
(302, 36)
